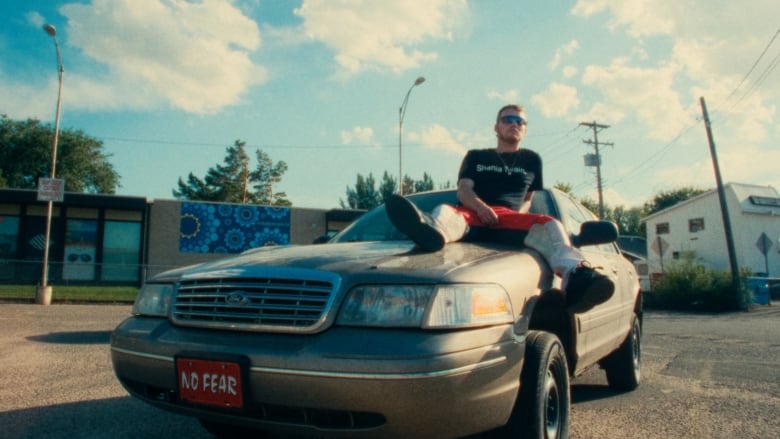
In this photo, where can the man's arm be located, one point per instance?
(469, 198)
(526, 206)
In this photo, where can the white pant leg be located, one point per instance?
(451, 223)
(552, 241)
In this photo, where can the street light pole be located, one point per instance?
(43, 294)
(401, 113)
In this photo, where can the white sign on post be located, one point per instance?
(51, 189)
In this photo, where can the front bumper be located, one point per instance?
(345, 381)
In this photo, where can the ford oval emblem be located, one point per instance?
(237, 298)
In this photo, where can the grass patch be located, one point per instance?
(71, 293)
(688, 286)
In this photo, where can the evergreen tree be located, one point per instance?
(387, 186)
(363, 196)
(234, 181)
(426, 184)
(266, 175)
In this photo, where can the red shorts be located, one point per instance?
(507, 218)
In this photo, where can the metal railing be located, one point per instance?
(28, 272)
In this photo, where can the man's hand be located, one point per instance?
(487, 215)
(469, 198)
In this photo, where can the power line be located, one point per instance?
(754, 65)
(757, 83)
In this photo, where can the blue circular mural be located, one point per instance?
(231, 228)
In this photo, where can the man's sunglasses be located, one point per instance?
(512, 119)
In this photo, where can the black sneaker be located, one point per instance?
(413, 223)
(587, 288)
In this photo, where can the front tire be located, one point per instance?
(543, 406)
(624, 366)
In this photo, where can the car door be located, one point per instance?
(597, 331)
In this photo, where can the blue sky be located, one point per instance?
(167, 85)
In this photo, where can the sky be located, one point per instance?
(168, 85)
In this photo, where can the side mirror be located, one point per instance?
(322, 239)
(595, 232)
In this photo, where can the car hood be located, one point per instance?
(364, 259)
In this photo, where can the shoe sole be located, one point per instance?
(597, 293)
(408, 220)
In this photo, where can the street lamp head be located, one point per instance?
(51, 30)
(419, 81)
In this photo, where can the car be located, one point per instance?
(367, 335)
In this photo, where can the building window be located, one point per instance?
(662, 229)
(9, 234)
(695, 224)
(80, 246)
(121, 250)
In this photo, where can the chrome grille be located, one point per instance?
(254, 304)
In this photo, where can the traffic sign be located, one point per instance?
(764, 244)
(51, 189)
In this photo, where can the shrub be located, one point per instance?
(688, 286)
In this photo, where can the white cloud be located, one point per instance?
(358, 135)
(649, 93)
(569, 71)
(557, 100)
(376, 35)
(22, 100)
(511, 95)
(35, 19)
(440, 138)
(709, 56)
(193, 56)
(738, 165)
(603, 113)
(565, 50)
(640, 17)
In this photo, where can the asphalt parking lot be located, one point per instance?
(704, 376)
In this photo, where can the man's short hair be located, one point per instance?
(518, 108)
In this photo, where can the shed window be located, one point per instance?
(695, 224)
(662, 228)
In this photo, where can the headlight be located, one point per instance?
(153, 300)
(386, 305)
(426, 306)
(457, 306)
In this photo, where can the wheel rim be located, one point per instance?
(552, 406)
(637, 351)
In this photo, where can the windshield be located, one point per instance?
(375, 226)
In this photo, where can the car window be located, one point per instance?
(570, 213)
(375, 226)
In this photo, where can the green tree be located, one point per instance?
(364, 195)
(564, 187)
(232, 181)
(412, 186)
(25, 156)
(387, 186)
(426, 184)
(265, 176)
(665, 199)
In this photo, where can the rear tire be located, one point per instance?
(543, 406)
(624, 366)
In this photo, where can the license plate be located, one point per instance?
(209, 382)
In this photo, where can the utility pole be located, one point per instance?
(723, 206)
(595, 159)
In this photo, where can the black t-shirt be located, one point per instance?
(502, 179)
